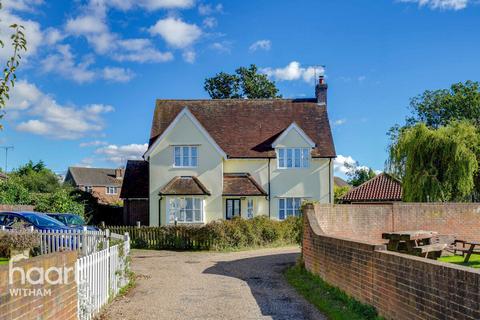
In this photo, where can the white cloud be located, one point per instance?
(94, 143)
(117, 74)
(339, 122)
(189, 56)
(140, 50)
(209, 9)
(441, 4)
(33, 32)
(88, 24)
(48, 118)
(149, 5)
(210, 22)
(53, 36)
(63, 63)
(21, 5)
(294, 71)
(340, 161)
(223, 47)
(176, 32)
(119, 154)
(260, 45)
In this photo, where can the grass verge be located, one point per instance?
(3, 261)
(474, 261)
(331, 301)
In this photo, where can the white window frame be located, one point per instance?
(300, 162)
(88, 189)
(108, 191)
(250, 208)
(189, 158)
(181, 210)
(294, 210)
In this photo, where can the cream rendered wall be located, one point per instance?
(209, 170)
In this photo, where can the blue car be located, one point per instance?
(39, 221)
(72, 220)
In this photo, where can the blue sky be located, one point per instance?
(88, 83)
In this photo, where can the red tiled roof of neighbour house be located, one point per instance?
(241, 184)
(135, 180)
(383, 187)
(185, 186)
(247, 128)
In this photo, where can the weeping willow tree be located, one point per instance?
(436, 164)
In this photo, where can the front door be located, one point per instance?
(233, 208)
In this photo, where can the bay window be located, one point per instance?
(289, 207)
(293, 158)
(185, 210)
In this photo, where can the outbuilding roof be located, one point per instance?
(383, 187)
(136, 180)
(247, 128)
(100, 177)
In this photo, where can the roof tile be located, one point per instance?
(383, 187)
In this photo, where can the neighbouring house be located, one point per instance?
(339, 182)
(217, 159)
(103, 183)
(381, 189)
(135, 193)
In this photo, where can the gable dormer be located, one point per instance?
(293, 148)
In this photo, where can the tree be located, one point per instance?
(19, 44)
(245, 83)
(439, 107)
(37, 178)
(358, 174)
(339, 192)
(436, 164)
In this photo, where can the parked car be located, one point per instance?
(39, 221)
(72, 220)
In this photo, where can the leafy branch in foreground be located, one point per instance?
(19, 44)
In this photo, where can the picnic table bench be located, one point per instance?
(468, 248)
(415, 242)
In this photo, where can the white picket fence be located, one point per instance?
(100, 276)
(84, 241)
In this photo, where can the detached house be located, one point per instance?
(217, 159)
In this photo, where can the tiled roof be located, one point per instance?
(136, 180)
(185, 186)
(246, 128)
(96, 177)
(339, 182)
(383, 187)
(241, 184)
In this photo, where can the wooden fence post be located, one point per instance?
(84, 241)
(106, 243)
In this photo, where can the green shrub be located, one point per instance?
(217, 235)
(18, 240)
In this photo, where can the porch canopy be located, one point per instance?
(185, 186)
(241, 184)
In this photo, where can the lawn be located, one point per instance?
(474, 261)
(3, 261)
(331, 301)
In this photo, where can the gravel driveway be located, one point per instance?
(206, 285)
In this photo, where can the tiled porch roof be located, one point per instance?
(185, 186)
(241, 184)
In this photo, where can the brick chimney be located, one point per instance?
(119, 173)
(321, 91)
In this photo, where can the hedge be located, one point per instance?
(217, 235)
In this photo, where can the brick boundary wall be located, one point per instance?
(399, 286)
(367, 222)
(61, 304)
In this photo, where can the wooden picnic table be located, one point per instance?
(471, 250)
(415, 242)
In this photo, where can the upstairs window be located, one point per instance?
(293, 158)
(185, 156)
(111, 190)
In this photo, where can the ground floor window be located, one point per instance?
(289, 207)
(250, 208)
(185, 209)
